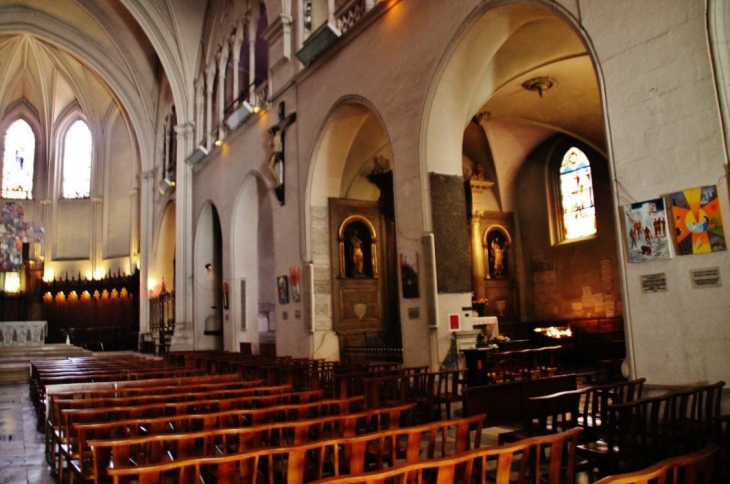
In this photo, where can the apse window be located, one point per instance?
(18, 161)
(576, 196)
(77, 161)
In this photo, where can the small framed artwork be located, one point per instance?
(282, 287)
(698, 227)
(243, 304)
(647, 231)
(454, 322)
(296, 292)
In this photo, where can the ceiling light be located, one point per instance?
(540, 84)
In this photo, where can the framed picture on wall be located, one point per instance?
(296, 293)
(647, 231)
(243, 304)
(409, 274)
(282, 287)
(697, 216)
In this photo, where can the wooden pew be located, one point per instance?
(649, 429)
(119, 424)
(297, 464)
(505, 403)
(98, 447)
(500, 464)
(62, 438)
(695, 468)
(587, 408)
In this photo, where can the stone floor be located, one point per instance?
(22, 448)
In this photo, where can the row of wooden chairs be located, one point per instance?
(119, 443)
(523, 364)
(345, 461)
(622, 430)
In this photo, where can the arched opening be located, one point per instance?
(502, 95)
(253, 296)
(208, 281)
(352, 187)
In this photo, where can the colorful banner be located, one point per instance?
(697, 218)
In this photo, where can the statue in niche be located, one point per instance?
(497, 246)
(358, 255)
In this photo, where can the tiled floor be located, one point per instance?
(22, 448)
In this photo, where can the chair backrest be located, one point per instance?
(696, 468)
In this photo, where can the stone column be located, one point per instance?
(477, 257)
(184, 336)
(222, 62)
(146, 214)
(209, 77)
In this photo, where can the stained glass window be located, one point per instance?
(576, 195)
(18, 161)
(77, 161)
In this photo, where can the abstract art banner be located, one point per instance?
(647, 231)
(697, 218)
(14, 232)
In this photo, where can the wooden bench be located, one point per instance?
(505, 403)
(297, 464)
(649, 429)
(62, 437)
(97, 443)
(517, 462)
(587, 408)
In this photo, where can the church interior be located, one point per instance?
(520, 197)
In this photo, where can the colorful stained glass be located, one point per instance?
(18, 161)
(576, 195)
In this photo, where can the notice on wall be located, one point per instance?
(654, 282)
(704, 278)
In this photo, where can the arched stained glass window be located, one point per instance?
(576, 195)
(18, 161)
(77, 161)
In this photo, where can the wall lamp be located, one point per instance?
(208, 267)
(198, 155)
(241, 114)
(165, 185)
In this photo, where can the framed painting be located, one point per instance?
(697, 219)
(647, 232)
(282, 287)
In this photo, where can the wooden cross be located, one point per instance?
(276, 160)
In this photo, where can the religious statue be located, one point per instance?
(497, 257)
(357, 254)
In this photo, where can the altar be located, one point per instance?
(23, 333)
(489, 325)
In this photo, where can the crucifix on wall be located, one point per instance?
(276, 160)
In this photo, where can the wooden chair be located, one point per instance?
(547, 414)
(696, 468)
(448, 385)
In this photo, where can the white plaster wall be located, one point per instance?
(663, 128)
(665, 137)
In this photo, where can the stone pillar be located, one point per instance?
(236, 41)
(209, 77)
(222, 62)
(477, 257)
(184, 336)
(146, 224)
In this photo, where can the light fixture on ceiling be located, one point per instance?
(198, 155)
(165, 186)
(540, 84)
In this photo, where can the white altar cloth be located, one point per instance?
(488, 324)
(23, 333)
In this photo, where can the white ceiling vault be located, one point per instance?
(98, 53)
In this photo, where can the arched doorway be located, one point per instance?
(520, 75)
(208, 281)
(252, 296)
(355, 258)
